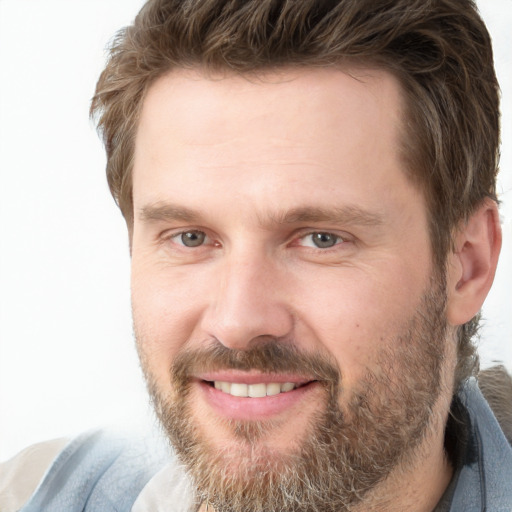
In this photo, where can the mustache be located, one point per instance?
(267, 356)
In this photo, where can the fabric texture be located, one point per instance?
(102, 473)
(20, 475)
(99, 472)
(485, 480)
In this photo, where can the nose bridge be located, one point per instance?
(248, 301)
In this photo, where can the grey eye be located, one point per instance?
(324, 240)
(192, 238)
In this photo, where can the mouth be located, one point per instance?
(253, 397)
(258, 390)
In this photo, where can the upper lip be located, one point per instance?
(252, 377)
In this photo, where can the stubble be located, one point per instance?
(349, 446)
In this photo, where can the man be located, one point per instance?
(309, 189)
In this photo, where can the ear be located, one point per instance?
(472, 264)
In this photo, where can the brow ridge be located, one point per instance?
(349, 215)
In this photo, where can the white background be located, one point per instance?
(67, 357)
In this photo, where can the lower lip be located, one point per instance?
(239, 408)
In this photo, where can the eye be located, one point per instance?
(190, 238)
(320, 240)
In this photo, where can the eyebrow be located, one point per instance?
(168, 212)
(352, 215)
(346, 215)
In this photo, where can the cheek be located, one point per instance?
(165, 313)
(354, 317)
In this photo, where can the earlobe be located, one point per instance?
(472, 265)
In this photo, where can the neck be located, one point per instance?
(418, 484)
(413, 488)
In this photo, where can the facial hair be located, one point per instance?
(350, 445)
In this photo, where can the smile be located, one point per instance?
(258, 390)
(242, 396)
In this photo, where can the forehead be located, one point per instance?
(292, 130)
(291, 102)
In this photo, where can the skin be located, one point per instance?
(259, 166)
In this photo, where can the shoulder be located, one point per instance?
(20, 475)
(483, 481)
(97, 471)
(496, 385)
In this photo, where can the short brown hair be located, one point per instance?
(440, 51)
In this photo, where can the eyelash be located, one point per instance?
(175, 236)
(338, 239)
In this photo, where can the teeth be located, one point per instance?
(253, 390)
(238, 389)
(273, 389)
(257, 390)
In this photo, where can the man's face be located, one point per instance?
(287, 314)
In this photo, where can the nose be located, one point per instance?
(248, 302)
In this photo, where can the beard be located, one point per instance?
(350, 445)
